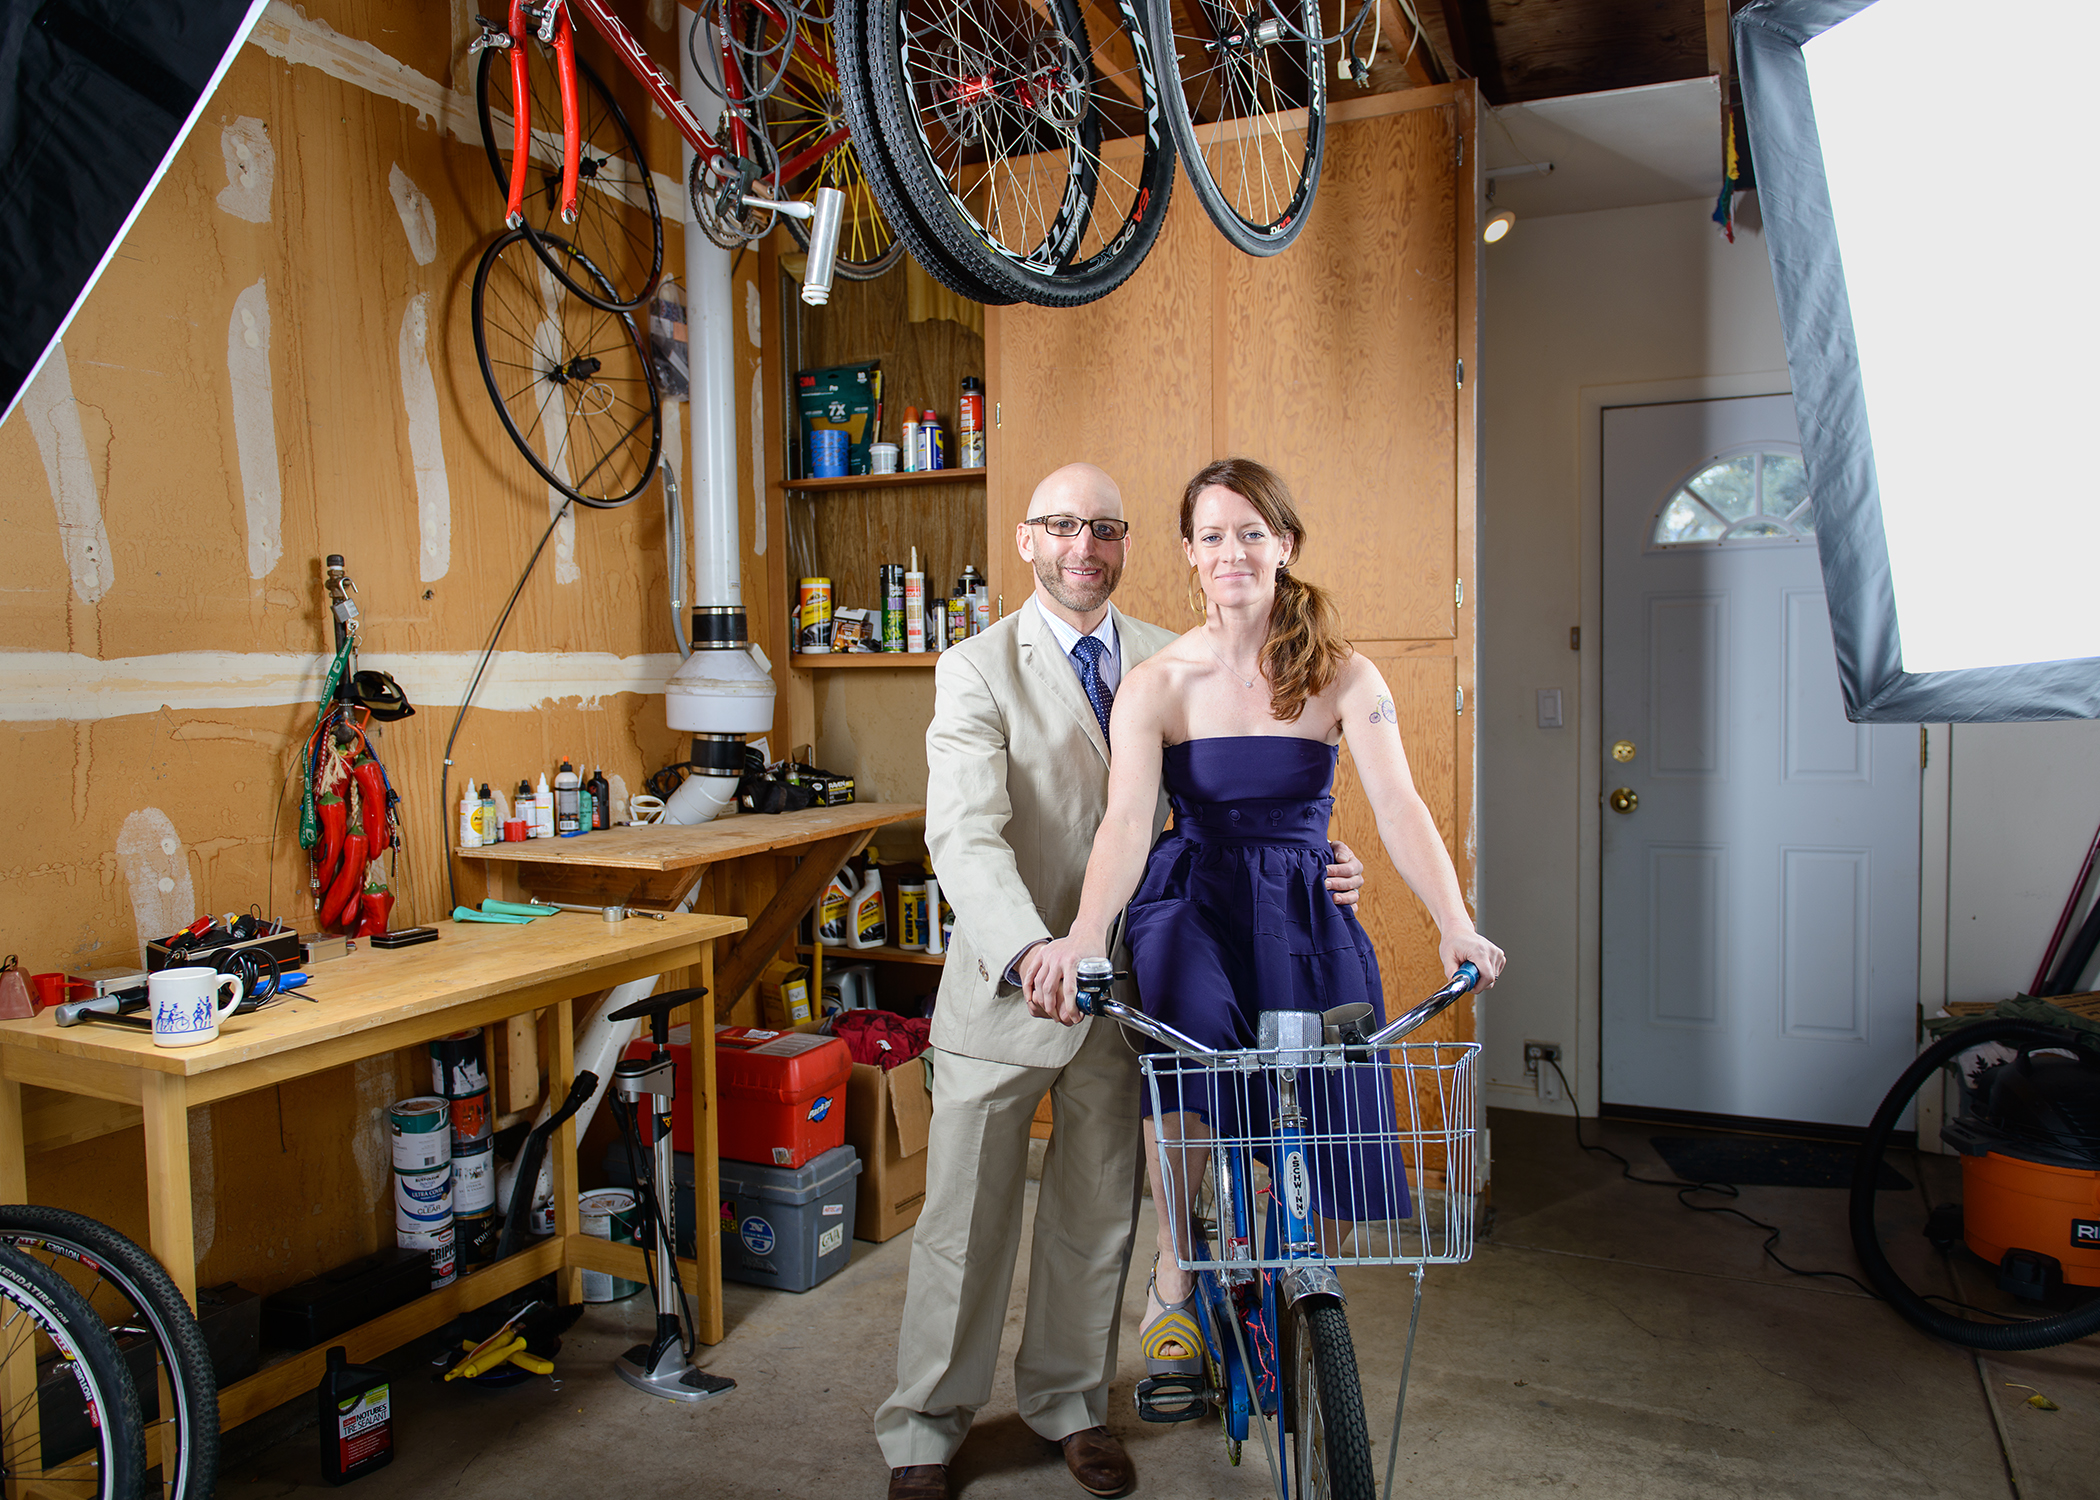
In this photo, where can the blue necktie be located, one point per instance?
(1088, 654)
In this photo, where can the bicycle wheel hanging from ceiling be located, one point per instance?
(572, 382)
(619, 226)
(1246, 102)
(1021, 161)
(805, 119)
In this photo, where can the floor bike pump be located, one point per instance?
(662, 1367)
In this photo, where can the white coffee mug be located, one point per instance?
(186, 1005)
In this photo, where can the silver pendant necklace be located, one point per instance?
(1228, 666)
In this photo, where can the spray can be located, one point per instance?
(908, 441)
(933, 445)
(357, 1419)
(892, 607)
(969, 423)
(980, 597)
(567, 806)
(914, 606)
(814, 598)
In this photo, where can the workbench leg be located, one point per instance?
(23, 1450)
(558, 1044)
(164, 1100)
(707, 1176)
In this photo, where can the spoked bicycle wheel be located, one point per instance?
(75, 1428)
(1024, 160)
(139, 1303)
(1325, 1434)
(619, 227)
(572, 382)
(1246, 102)
(805, 118)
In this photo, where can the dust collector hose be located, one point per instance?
(2038, 1333)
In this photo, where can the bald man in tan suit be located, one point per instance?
(1017, 759)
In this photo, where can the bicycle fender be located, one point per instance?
(1300, 1282)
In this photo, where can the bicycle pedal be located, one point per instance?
(1173, 1398)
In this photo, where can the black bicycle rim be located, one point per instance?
(1256, 77)
(35, 1299)
(573, 383)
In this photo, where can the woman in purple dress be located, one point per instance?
(1228, 914)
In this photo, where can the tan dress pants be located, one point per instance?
(969, 1234)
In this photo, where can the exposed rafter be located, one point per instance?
(1472, 32)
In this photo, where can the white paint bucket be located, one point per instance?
(422, 1131)
(474, 1177)
(608, 1214)
(439, 1241)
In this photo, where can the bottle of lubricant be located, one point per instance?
(357, 1420)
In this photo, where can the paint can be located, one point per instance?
(474, 1237)
(459, 1064)
(474, 1176)
(471, 1120)
(422, 1131)
(608, 1214)
(422, 1199)
(814, 601)
(438, 1240)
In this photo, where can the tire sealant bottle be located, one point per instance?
(566, 804)
(543, 810)
(357, 1423)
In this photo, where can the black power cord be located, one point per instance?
(467, 699)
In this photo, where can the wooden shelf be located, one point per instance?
(895, 955)
(824, 661)
(885, 481)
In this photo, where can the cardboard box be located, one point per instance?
(887, 1117)
(784, 988)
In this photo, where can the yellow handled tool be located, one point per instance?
(487, 1359)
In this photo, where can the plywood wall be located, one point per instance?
(1335, 363)
(279, 365)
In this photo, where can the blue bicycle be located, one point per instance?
(1325, 1145)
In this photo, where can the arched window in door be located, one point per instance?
(1751, 495)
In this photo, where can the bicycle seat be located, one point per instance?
(654, 1005)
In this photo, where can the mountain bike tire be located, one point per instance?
(1325, 1433)
(1257, 79)
(805, 108)
(133, 1293)
(34, 1300)
(619, 226)
(996, 124)
(573, 383)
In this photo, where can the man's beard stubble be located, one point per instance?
(1054, 583)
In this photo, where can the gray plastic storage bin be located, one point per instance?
(785, 1227)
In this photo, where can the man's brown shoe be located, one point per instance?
(1098, 1462)
(919, 1482)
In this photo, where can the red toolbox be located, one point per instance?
(781, 1094)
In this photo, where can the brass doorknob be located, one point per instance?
(1625, 800)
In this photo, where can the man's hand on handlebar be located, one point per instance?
(1050, 978)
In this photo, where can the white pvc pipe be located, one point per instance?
(710, 311)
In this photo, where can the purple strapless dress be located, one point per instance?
(1233, 917)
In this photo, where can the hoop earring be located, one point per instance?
(1196, 596)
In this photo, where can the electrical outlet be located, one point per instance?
(1538, 1052)
(1538, 1060)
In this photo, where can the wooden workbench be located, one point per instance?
(375, 1002)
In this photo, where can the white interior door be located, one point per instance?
(1760, 879)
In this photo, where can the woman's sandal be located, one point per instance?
(1174, 1387)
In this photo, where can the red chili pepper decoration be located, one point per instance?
(328, 853)
(371, 793)
(340, 908)
(376, 903)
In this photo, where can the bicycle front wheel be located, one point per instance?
(1246, 102)
(572, 382)
(1025, 156)
(74, 1429)
(1326, 1436)
(137, 1301)
(619, 228)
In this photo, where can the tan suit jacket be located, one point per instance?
(1017, 784)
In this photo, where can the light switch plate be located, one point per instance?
(1549, 708)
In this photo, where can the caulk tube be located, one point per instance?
(914, 606)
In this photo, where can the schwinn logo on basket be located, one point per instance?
(1297, 1186)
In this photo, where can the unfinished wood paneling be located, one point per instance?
(1341, 354)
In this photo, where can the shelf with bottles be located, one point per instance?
(883, 481)
(882, 952)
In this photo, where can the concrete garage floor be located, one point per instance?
(1603, 1340)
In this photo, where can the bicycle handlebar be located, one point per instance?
(1095, 1000)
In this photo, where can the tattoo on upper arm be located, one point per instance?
(1384, 712)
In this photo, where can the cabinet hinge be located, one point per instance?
(1924, 748)
(1461, 700)
(1461, 374)
(1460, 142)
(998, 414)
(1461, 593)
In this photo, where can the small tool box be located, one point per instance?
(781, 1094)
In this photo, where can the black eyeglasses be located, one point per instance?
(1104, 531)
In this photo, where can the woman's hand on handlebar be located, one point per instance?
(1469, 946)
(1050, 978)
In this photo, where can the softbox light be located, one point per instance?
(1933, 257)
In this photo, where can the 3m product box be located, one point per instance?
(783, 1227)
(888, 1114)
(843, 398)
(780, 1095)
